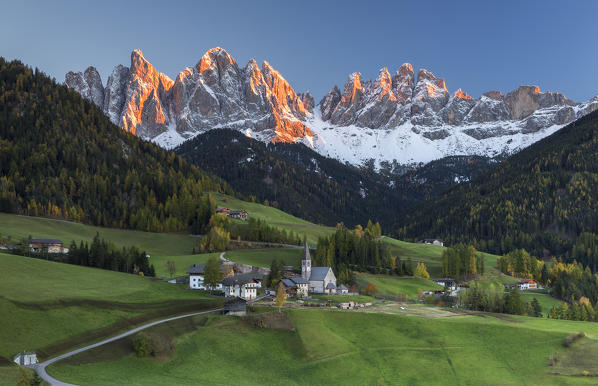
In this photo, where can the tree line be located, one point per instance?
(100, 253)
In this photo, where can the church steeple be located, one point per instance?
(306, 263)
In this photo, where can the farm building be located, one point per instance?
(47, 246)
(238, 214)
(235, 306)
(431, 242)
(447, 282)
(25, 358)
(342, 289)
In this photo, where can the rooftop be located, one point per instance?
(319, 273)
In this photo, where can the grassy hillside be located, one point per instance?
(49, 306)
(19, 227)
(390, 286)
(345, 347)
(276, 217)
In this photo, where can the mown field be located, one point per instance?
(390, 286)
(50, 307)
(350, 348)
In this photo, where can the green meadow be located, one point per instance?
(390, 286)
(349, 348)
(50, 307)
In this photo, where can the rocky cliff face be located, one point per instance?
(398, 119)
(216, 92)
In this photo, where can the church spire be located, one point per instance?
(306, 255)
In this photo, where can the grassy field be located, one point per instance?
(48, 307)
(348, 347)
(19, 227)
(276, 217)
(264, 257)
(546, 301)
(392, 285)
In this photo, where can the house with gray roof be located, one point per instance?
(321, 279)
(243, 286)
(296, 286)
(25, 358)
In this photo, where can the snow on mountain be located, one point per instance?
(403, 118)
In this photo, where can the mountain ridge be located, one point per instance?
(406, 117)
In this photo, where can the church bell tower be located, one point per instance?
(306, 263)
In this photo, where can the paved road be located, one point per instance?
(40, 368)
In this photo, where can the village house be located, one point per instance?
(296, 286)
(47, 246)
(196, 274)
(243, 286)
(447, 283)
(527, 284)
(342, 289)
(25, 358)
(238, 214)
(431, 242)
(321, 279)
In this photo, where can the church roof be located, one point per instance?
(318, 273)
(330, 286)
(306, 255)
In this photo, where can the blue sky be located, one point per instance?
(475, 45)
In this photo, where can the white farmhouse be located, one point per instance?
(321, 279)
(196, 277)
(243, 286)
(25, 358)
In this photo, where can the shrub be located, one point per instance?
(572, 338)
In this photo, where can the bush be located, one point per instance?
(154, 344)
(572, 338)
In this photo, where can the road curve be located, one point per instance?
(40, 368)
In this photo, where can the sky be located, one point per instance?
(474, 45)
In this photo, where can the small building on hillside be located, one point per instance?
(447, 283)
(244, 285)
(238, 214)
(431, 242)
(225, 211)
(235, 306)
(25, 358)
(47, 246)
(296, 286)
(178, 280)
(527, 284)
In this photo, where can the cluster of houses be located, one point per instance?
(41, 246)
(431, 242)
(316, 280)
(238, 214)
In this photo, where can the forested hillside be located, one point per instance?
(540, 199)
(298, 180)
(61, 157)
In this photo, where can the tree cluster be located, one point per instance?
(462, 261)
(581, 310)
(495, 299)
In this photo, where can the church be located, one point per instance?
(321, 279)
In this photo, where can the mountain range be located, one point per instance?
(394, 120)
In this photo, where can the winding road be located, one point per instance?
(40, 368)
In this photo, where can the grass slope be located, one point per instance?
(390, 286)
(19, 227)
(276, 217)
(45, 304)
(347, 347)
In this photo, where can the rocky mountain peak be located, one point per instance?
(462, 95)
(383, 86)
(88, 84)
